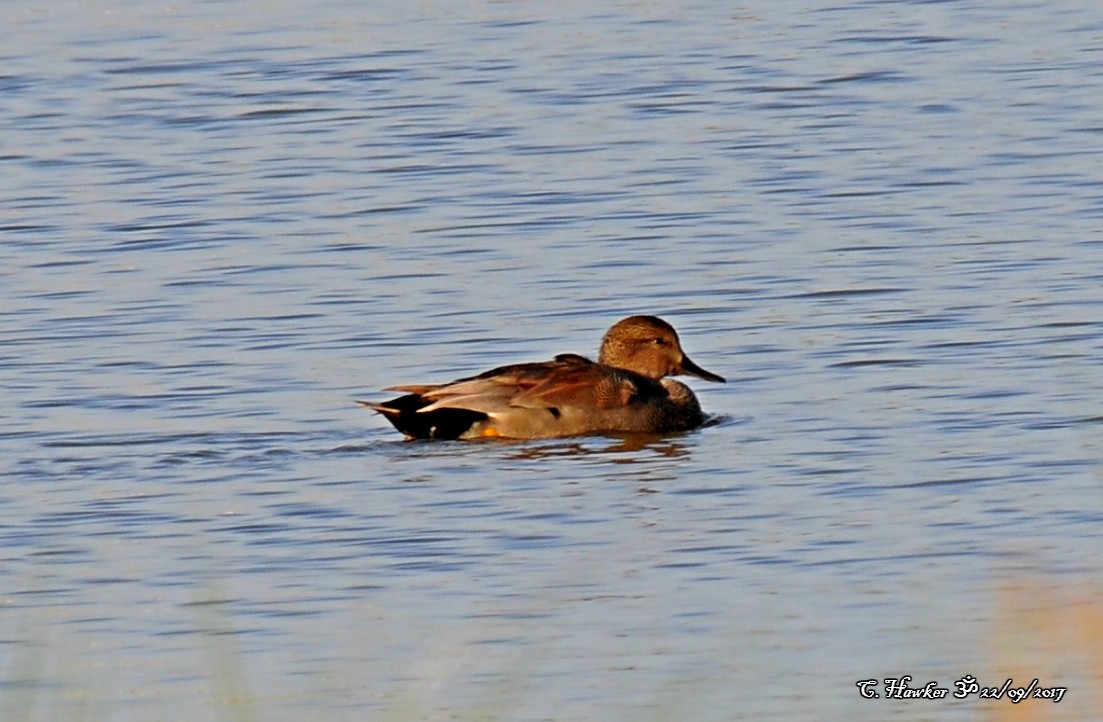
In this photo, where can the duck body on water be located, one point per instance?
(625, 391)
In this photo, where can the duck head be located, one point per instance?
(650, 347)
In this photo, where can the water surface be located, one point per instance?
(880, 221)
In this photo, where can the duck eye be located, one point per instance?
(659, 341)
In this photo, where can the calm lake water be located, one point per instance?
(223, 222)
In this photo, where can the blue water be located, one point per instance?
(221, 224)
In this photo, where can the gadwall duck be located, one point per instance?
(625, 391)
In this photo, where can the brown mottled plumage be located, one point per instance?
(624, 391)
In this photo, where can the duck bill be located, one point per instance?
(691, 369)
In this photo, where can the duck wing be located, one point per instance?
(500, 388)
(593, 386)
